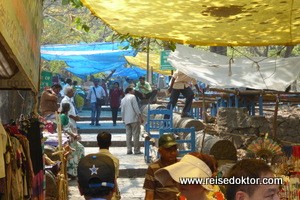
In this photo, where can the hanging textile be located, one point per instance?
(32, 128)
(3, 139)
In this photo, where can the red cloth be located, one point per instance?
(115, 97)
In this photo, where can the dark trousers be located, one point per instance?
(114, 114)
(187, 93)
(96, 111)
(149, 95)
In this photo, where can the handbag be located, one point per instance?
(99, 101)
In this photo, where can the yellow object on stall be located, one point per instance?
(140, 60)
(204, 22)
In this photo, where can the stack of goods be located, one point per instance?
(289, 170)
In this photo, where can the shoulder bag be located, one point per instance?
(99, 101)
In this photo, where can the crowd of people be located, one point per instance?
(165, 178)
(95, 92)
(67, 99)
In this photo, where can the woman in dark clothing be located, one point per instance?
(115, 95)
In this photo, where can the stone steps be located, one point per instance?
(113, 143)
(104, 118)
(131, 166)
(106, 125)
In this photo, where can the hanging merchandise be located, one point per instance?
(265, 148)
(23, 157)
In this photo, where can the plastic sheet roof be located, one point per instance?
(140, 60)
(256, 73)
(132, 73)
(86, 59)
(204, 22)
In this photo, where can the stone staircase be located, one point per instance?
(131, 166)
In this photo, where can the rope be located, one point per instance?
(257, 63)
(230, 62)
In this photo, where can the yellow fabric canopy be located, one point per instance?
(204, 22)
(140, 60)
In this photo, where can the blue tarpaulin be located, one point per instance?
(86, 59)
(132, 73)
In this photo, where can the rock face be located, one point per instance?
(288, 124)
(236, 122)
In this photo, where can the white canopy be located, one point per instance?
(256, 73)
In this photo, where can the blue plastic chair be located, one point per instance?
(191, 141)
(153, 126)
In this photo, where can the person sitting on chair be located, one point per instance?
(143, 90)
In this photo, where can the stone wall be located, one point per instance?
(237, 124)
(13, 103)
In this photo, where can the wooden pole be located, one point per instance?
(149, 72)
(275, 117)
(203, 107)
(59, 134)
(204, 119)
(62, 182)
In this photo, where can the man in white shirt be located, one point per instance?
(132, 118)
(68, 83)
(180, 83)
(95, 92)
(68, 98)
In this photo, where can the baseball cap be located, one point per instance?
(188, 167)
(96, 170)
(167, 141)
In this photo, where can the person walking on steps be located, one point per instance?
(95, 92)
(115, 95)
(132, 118)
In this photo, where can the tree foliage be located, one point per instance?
(68, 22)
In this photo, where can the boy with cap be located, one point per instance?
(96, 177)
(168, 155)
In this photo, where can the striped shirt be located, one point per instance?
(160, 192)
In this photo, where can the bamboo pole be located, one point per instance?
(204, 118)
(59, 133)
(275, 117)
(203, 107)
(149, 71)
(62, 175)
(245, 92)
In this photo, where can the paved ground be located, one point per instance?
(133, 165)
(130, 188)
